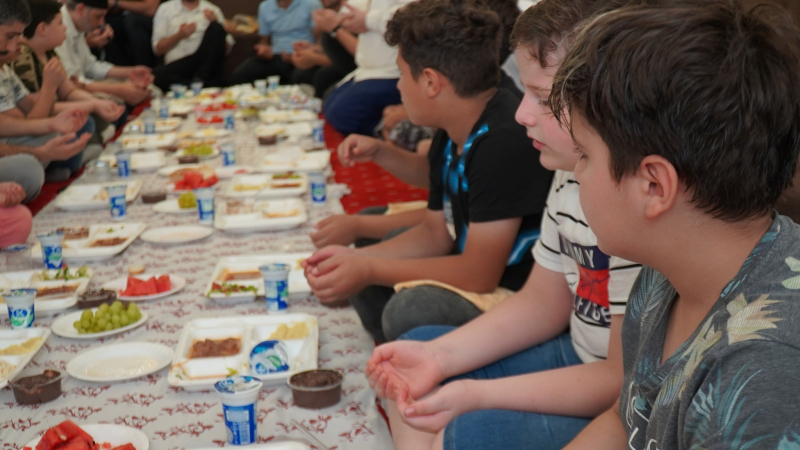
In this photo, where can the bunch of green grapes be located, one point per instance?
(107, 318)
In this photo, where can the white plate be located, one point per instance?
(211, 133)
(202, 373)
(77, 251)
(167, 171)
(257, 221)
(119, 362)
(177, 234)
(147, 161)
(232, 171)
(281, 116)
(45, 305)
(162, 125)
(300, 129)
(213, 154)
(285, 445)
(115, 435)
(297, 280)
(270, 188)
(137, 141)
(63, 326)
(85, 197)
(171, 206)
(177, 283)
(295, 161)
(11, 337)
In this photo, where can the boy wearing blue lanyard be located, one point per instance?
(487, 187)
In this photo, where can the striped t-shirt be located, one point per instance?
(600, 283)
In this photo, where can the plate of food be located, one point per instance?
(238, 277)
(185, 204)
(249, 215)
(215, 133)
(177, 234)
(295, 161)
(147, 161)
(139, 288)
(190, 179)
(119, 362)
(289, 184)
(202, 151)
(210, 350)
(85, 197)
(137, 141)
(103, 241)
(57, 290)
(94, 323)
(17, 348)
(107, 436)
(273, 115)
(162, 125)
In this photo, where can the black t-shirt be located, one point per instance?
(501, 178)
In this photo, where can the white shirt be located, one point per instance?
(600, 283)
(169, 18)
(75, 55)
(374, 57)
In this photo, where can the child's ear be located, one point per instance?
(658, 184)
(432, 81)
(41, 28)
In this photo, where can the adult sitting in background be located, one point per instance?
(191, 36)
(82, 17)
(281, 24)
(339, 46)
(357, 105)
(132, 22)
(15, 220)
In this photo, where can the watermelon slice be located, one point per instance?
(64, 433)
(163, 283)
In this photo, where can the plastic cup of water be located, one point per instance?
(239, 395)
(205, 205)
(261, 86)
(273, 82)
(197, 87)
(20, 307)
(117, 202)
(179, 90)
(51, 249)
(317, 185)
(276, 286)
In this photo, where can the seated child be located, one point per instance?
(516, 375)
(487, 188)
(687, 119)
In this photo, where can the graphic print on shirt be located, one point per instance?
(591, 295)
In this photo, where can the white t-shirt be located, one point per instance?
(600, 284)
(169, 18)
(12, 90)
(75, 55)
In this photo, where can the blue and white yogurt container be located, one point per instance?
(116, 200)
(205, 205)
(318, 186)
(239, 396)
(228, 153)
(20, 307)
(276, 286)
(269, 357)
(52, 244)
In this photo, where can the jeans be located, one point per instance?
(342, 64)
(358, 107)
(496, 429)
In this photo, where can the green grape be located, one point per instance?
(97, 329)
(85, 323)
(82, 331)
(107, 316)
(102, 323)
(116, 307)
(103, 307)
(115, 319)
(86, 314)
(124, 321)
(95, 318)
(77, 325)
(133, 307)
(109, 327)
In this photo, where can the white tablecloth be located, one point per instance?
(170, 417)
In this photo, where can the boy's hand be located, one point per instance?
(11, 194)
(341, 229)
(110, 111)
(68, 121)
(432, 413)
(357, 148)
(263, 51)
(132, 94)
(340, 277)
(354, 19)
(326, 19)
(141, 76)
(53, 73)
(404, 368)
(321, 255)
(60, 148)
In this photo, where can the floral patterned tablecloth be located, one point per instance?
(171, 417)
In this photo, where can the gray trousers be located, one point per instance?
(24, 169)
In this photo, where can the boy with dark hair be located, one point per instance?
(687, 118)
(487, 189)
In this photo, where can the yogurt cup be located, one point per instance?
(179, 90)
(317, 185)
(261, 86)
(20, 307)
(205, 205)
(197, 87)
(51, 249)
(123, 164)
(269, 357)
(239, 395)
(318, 133)
(273, 82)
(116, 200)
(228, 153)
(276, 286)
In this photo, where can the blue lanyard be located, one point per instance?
(448, 151)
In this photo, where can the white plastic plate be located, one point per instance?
(119, 362)
(171, 206)
(177, 234)
(297, 161)
(137, 141)
(63, 326)
(213, 154)
(85, 197)
(250, 264)
(259, 220)
(147, 161)
(266, 186)
(81, 250)
(16, 337)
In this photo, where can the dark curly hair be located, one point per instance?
(458, 38)
(15, 11)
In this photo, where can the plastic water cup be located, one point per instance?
(239, 395)
(20, 307)
(273, 81)
(318, 133)
(51, 249)
(228, 153)
(197, 87)
(227, 119)
(116, 200)
(124, 164)
(261, 86)
(276, 286)
(179, 90)
(163, 108)
(317, 186)
(205, 205)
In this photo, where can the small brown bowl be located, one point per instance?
(34, 386)
(93, 299)
(271, 139)
(316, 389)
(189, 159)
(153, 197)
